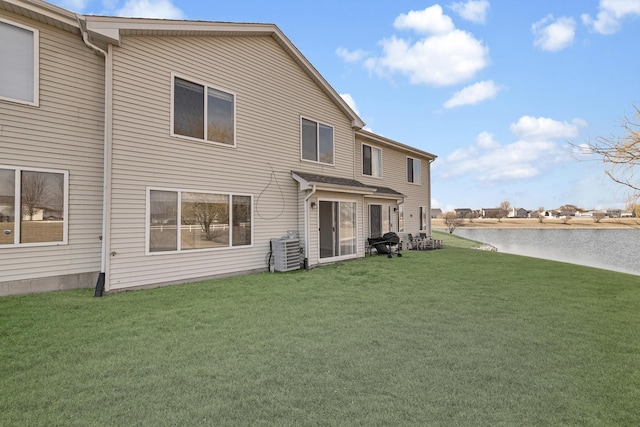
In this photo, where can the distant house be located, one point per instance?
(462, 212)
(614, 213)
(518, 213)
(436, 213)
(551, 214)
(491, 212)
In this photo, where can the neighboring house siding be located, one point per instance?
(272, 93)
(65, 132)
(394, 171)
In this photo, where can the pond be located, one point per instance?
(609, 249)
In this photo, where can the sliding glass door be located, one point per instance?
(337, 228)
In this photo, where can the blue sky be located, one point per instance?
(495, 88)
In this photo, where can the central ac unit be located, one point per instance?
(286, 254)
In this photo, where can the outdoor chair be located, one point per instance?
(412, 242)
(429, 242)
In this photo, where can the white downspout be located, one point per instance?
(106, 182)
(429, 201)
(306, 227)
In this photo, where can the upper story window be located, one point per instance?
(317, 142)
(19, 79)
(203, 112)
(33, 206)
(371, 161)
(413, 170)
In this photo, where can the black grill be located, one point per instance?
(385, 245)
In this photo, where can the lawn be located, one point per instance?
(454, 337)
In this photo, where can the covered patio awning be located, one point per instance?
(344, 185)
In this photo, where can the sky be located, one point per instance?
(500, 90)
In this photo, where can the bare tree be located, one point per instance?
(598, 216)
(452, 221)
(540, 214)
(632, 204)
(206, 214)
(620, 153)
(471, 216)
(503, 210)
(35, 192)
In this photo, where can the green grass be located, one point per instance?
(455, 337)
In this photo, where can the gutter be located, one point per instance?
(306, 227)
(106, 180)
(429, 201)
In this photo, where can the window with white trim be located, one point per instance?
(181, 220)
(203, 112)
(423, 218)
(317, 142)
(371, 161)
(19, 74)
(379, 220)
(413, 170)
(33, 206)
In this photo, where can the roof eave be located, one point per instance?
(323, 186)
(111, 29)
(46, 13)
(379, 139)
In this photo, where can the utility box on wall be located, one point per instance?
(286, 254)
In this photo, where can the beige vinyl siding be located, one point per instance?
(394, 166)
(65, 132)
(272, 93)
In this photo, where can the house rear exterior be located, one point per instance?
(51, 151)
(174, 151)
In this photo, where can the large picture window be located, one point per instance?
(413, 170)
(371, 161)
(33, 206)
(203, 112)
(188, 220)
(317, 142)
(18, 63)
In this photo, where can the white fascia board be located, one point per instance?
(45, 12)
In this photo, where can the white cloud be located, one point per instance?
(350, 102)
(440, 60)
(162, 9)
(110, 4)
(529, 156)
(428, 21)
(444, 56)
(487, 141)
(610, 13)
(554, 34)
(74, 5)
(472, 10)
(351, 55)
(542, 128)
(520, 160)
(473, 94)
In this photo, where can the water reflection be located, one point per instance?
(609, 249)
